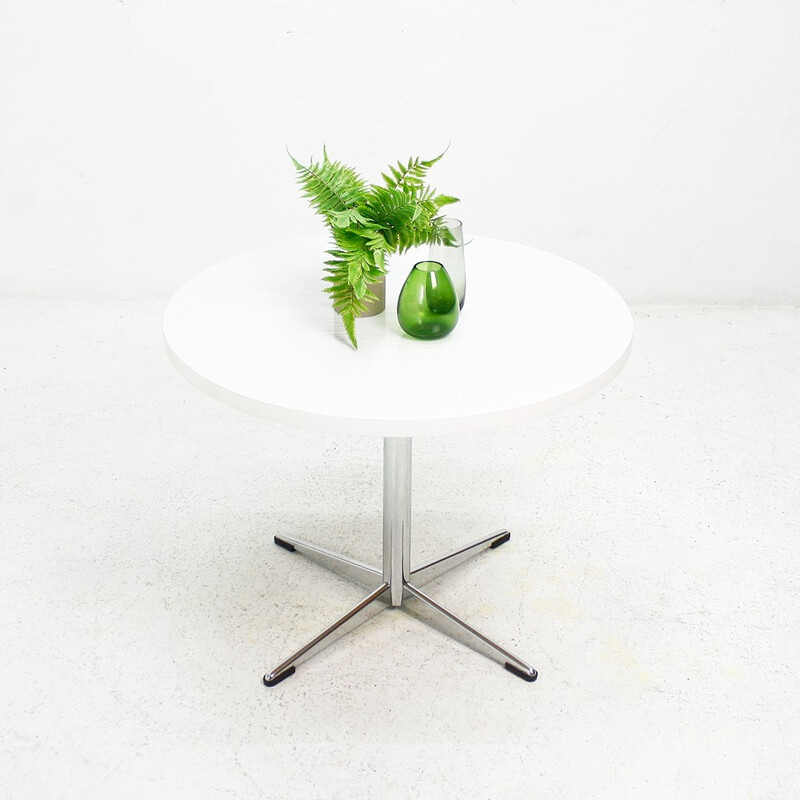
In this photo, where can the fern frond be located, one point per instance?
(342, 294)
(356, 262)
(410, 175)
(330, 187)
(444, 200)
(394, 211)
(349, 320)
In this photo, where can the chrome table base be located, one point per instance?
(396, 584)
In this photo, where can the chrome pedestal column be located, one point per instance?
(396, 584)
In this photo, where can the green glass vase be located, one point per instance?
(428, 304)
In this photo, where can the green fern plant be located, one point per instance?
(368, 222)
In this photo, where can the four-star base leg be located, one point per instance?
(355, 616)
(397, 584)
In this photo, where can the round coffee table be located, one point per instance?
(537, 334)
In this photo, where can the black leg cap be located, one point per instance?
(287, 673)
(285, 545)
(500, 540)
(521, 673)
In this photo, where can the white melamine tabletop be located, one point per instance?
(537, 333)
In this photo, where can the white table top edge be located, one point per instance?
(396, 427)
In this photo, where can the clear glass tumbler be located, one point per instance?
(452, 257)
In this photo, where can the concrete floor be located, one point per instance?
(652, 578)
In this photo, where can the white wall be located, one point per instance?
(657, 143)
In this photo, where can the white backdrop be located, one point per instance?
(657, 143)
